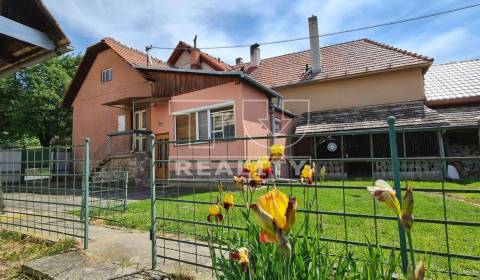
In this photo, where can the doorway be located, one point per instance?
(161, 168)
(140, 121)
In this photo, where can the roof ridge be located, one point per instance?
(327, 46)
(131, 48)
(402, 51)
(458, 61)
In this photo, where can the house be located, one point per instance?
(119, 95)
(453, 90)
(28, 35)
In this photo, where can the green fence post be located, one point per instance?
(2, 203)
(125, 196)
(86, 187)
(153, 209)
(396, 181)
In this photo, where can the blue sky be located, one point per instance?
(163, 23)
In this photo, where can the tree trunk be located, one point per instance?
(45, 140)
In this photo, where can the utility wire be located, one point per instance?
(337, 32)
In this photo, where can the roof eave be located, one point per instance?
(453, 101)
(238, 74)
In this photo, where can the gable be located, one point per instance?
(126, 80)
(131, 57)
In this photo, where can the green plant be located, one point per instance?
(274, 250)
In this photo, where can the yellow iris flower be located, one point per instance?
(241, 255)
(214, 212)
(277, 152)
(275, 214)
(228, 201)
(307, 174)
(384, 193)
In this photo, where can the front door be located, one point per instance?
(140, 121)
(161, 168)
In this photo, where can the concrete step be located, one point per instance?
(74, 265)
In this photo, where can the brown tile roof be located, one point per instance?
(408, 114)
(131, 55)
(341, 60)
(215, 63)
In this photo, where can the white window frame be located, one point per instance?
(104, 75)
(138, 115)
(207, 108)
(223, 123)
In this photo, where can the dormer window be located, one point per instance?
(106, 75)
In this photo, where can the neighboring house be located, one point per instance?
(119, 96)
(28, 35)
(453, 90)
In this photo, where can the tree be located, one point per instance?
(29, 103)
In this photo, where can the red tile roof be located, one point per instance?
(131, 55)
(341, 60)
(215, 63)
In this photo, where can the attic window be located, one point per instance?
(106, 75)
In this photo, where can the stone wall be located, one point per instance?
(466, 168)
(138, 165)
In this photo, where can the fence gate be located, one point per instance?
(51, 191)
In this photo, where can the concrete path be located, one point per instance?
(116, 253)
(131, 248)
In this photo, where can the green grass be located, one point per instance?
(463, 240)
(16, 248)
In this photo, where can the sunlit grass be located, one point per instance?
(332, 203)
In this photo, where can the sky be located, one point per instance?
(446, 38)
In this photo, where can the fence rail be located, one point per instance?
(447, 212)
(50, 191)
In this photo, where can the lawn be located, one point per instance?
(16, 248)
(332, 224)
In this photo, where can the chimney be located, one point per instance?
(195, 59)
(238, 61)
(314, 44)
(254, 55)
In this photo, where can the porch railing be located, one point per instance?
(123, 142)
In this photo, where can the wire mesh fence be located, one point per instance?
(108, 194)
(41, 189)
(52, 192)
(447, 193)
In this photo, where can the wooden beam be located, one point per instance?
(26, 34)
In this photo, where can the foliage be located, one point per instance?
(311, 259)
(16, 248)
(29, 103)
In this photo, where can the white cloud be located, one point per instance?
(164, 23)
(453, 44)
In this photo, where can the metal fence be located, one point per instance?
(447, 212)
(51, 191)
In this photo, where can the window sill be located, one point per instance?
(200, 142)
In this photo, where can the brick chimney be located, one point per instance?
(238, 61)
(254, 55)
(314, 44)
(195, 59)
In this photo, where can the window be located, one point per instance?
(185, 128)
(218, 123)
(121, 123)
(106, 75)
(223, 124)
(277, 127)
